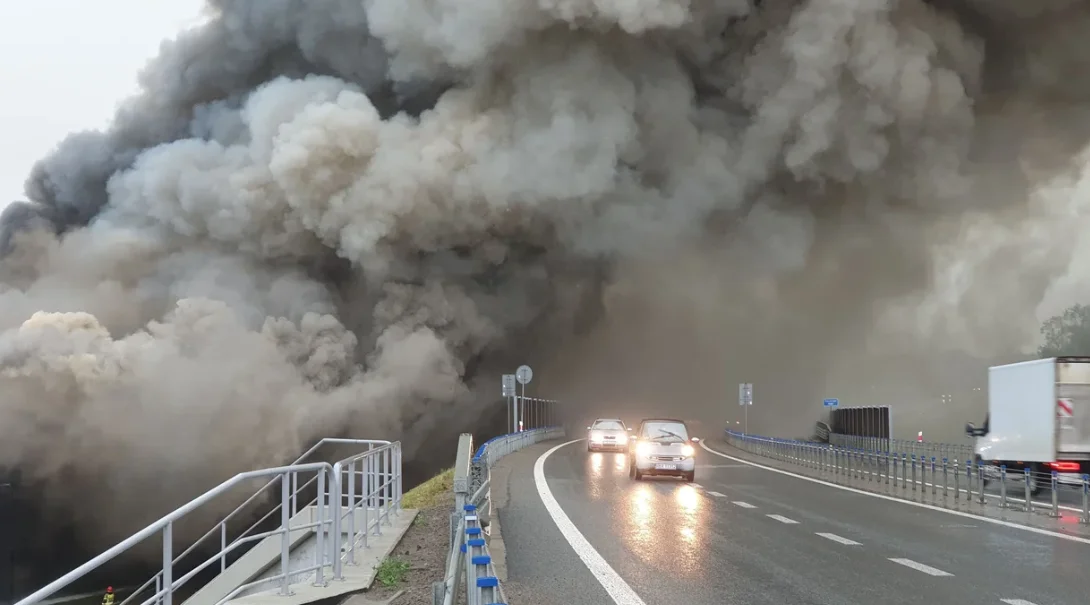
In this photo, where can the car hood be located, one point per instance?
(658, 447)
(604, 432)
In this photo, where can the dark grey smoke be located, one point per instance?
(349, 216)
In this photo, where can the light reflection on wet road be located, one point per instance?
(676, 543)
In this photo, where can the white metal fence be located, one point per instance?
(369, 480)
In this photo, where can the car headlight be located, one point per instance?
(622, 439)
(596, 436)
(687, 451)
(643, 449)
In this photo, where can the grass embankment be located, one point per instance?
(421, 556)
(430, 492)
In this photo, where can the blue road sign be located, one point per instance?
(832, 403)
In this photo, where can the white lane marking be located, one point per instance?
(721, 466)
(782, 519)
(958, 513)
(1017, 602)
(927, 569)
(716, 494)
(618, 589)
(697, 485)
(836, 538)
(744, 504)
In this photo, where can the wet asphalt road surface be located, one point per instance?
(749, 536)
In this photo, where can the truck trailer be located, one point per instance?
(1038, 419)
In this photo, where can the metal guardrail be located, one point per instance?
(928, 449)
(916, 475)
(381, 490)
(469, 552)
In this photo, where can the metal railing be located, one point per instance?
(945, 481)
(382, 490)
(221, 529)
(469, 552)
(920, 448)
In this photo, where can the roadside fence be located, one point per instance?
(469, 520)
(926, 472)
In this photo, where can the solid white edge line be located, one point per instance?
(783, 519)
(927, 569)
(957, 513)
(1017, 602)
(838, 539)
(618, 589)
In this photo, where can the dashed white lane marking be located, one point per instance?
(618, 589)
(744, 504)
(716, 494)
(927, 569)
(1017, 602)
(782, 519)
(836, 538)
(958, 513)
(697, 485)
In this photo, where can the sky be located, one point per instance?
(66, 64)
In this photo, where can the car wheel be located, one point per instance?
(689, 477)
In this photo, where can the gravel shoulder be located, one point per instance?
(420, 558)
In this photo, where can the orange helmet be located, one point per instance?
(109, 589)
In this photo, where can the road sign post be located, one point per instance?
(745, 399)
(509, 398)
(523, 375)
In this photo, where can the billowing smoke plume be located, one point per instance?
(347, 216)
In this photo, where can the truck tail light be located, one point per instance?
(1064, 467)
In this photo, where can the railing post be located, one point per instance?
(337, 506)
(223, 546)
(168, 563)
(373, 478)
(320, 552)
(397, 469)
(285, 528)
(351, 513)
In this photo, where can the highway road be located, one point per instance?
(577, 529)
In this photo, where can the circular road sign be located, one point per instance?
(524, 374)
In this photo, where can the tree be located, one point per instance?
(1067, 334)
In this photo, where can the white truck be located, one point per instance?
(1038, 418)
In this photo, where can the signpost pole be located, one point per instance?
(523, 375)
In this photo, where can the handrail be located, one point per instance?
(380, 461)
(222, 524)
(165, 524)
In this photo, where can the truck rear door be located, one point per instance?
(1073, 407)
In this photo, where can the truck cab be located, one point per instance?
(1038, 419)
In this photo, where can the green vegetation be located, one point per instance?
(392, 571)
(431, 492)
(1067, 333)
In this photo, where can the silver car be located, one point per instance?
(662, 446)
(607, 434)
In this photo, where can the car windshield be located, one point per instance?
(608, 425)
(666, 432)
